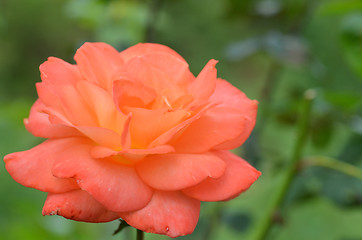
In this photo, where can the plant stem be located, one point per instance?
(334, 164)
(140, 234)
(292, 167)
(213, 220)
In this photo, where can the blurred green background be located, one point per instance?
(301, 59)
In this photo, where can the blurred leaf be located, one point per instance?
(352, 41)
(339, 7)
(343, 100)
(322, 130)
(319, 218)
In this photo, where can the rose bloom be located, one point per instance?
(135, 135)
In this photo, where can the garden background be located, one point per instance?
(301, 59)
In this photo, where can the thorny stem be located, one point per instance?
(293, 165)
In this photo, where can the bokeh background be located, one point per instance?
(301, 59)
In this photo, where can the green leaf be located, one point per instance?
(351, 38)
(319, 218)
(340, 7)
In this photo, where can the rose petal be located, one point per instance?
(98, 62)
(32, 168)
(132, 154)
(172, 172)
(48, 95)
(132, 94)
(146, 125)
(177, 69)
(77, 205)
(143, 71)
(230, 96)
(115, 186)
(57, 72)
(102, 104)
(102, 136)
(39, 125)
(204, 84)
(177, 130)
(168, 213)
(147, 48)
(224, 126)
(214, 127)
(67, 102)
(238, 177)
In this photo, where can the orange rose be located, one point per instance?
(134, 135)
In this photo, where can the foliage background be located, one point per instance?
(274, 50)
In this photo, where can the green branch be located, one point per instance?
(334, 164)
(292, 168)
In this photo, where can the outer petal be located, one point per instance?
(204, 85)
(238, 177)
(172, 172)
(225, 126)
(67, 101)
(39, 125)
(32, 168)
(168, 213)
(98, 62)
(57, 72)
(77, 205)
(233, 97)
(214, 127)
(115, 186)
(147, 48)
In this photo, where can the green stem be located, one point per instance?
(213, 220)
(292, 167)
(334, 164)
(140, 234)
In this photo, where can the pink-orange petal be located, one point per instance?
(39, 125)
(238, 177)
(102, 136)
(176, 68)
(146, 125)
(77, 205)
(147, 48)
(151, 76)
(215, 126)
(32, 168)
(178, 129)
(101, 103)
(57, 72)
(204, 84)
(131, 154)
(67, 101)
(172, 172)
(132, 94)
(98, 63)
(169, 213)
(229, 96)
(115, 186)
